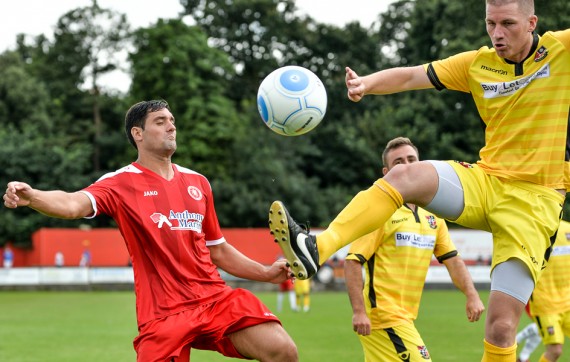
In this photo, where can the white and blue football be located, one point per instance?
(292, 100)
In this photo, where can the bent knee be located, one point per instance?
(285, 350)
(401, 173)
(290, 352)
(417, 182)
(501, 332)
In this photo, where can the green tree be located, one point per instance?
(174, 61)
(260, 36)
(33, 150)
(56, 114)
(88, 43)
(97, 36)
(443, 126)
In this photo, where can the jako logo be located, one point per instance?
(151, 193)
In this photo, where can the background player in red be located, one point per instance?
(286, 290)
(166, 215)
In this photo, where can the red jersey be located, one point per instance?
(167, 226)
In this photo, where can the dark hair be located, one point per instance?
(136, 115)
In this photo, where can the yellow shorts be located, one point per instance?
(396, 344)
(553, 327)
(302, 286)
(523, 217)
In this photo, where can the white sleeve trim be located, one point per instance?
(93, 205)
(215, 242)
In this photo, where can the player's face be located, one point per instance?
(400, 156)
(159, 134)
(510, 31)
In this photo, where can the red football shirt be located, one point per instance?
(167, 226)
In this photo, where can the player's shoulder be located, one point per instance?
(557, 33)
(463, 60)
(482, 54)
(189, 173)
(469, 55)
(123, 170)
(562, 36)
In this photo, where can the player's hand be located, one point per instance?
(474, 309)
(279, 271)
(17, 194)
(354, 84)
(361, 324)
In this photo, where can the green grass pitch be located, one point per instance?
(100, 326)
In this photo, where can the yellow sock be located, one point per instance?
(543, 359)
(368, 211)
(497, 354)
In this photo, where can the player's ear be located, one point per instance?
(532, 23)
(136, 132)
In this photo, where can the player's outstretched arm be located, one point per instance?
(386, 81)
(57, 203)
(354, 285)
(234, 262)
(461, 278)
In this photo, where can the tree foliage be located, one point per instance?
(34, 149)
(174, 62)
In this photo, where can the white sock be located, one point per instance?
(532, 338)
(279, 301)
(292, 300)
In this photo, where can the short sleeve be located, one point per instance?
(451, 73)
(443, 243)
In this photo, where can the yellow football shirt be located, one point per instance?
(396, 259)
(525, 107)
(552, 292)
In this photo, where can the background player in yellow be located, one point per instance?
(550, 301)
(516, 189)
(303, 294)
(396, 259)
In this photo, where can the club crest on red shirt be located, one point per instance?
(195, 193)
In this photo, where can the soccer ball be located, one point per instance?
(292, 100)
